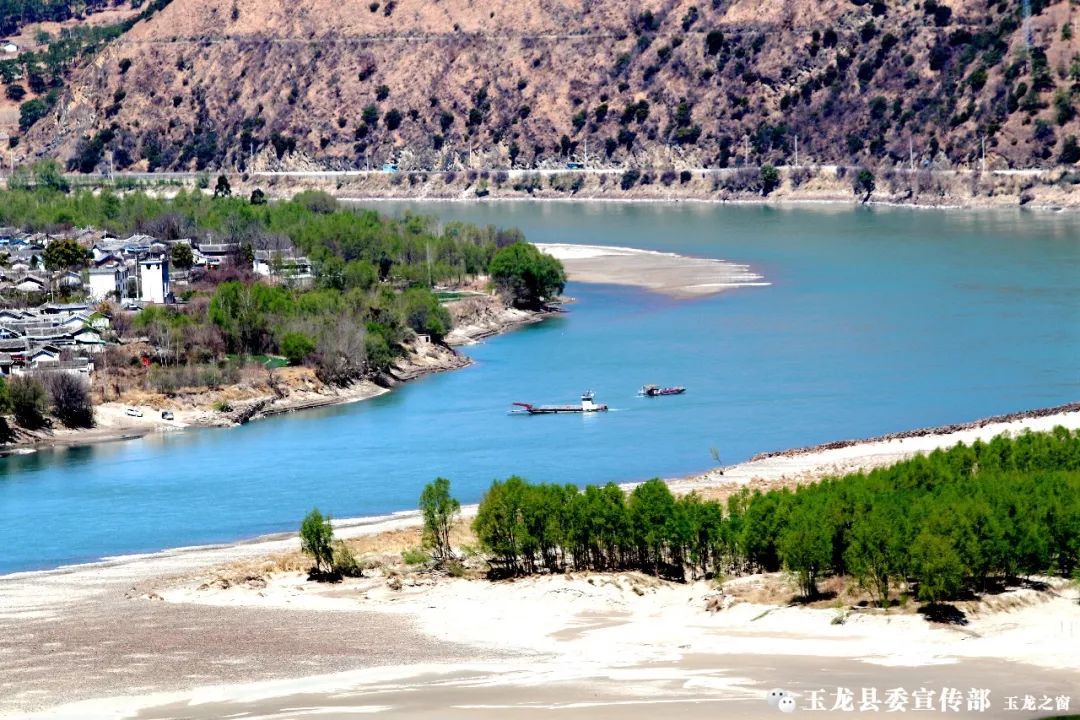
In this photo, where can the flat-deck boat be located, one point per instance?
(657, 391)
(587, 406)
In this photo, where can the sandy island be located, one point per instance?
(237, 631)
(674, 275)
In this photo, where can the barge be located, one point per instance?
(587, 406)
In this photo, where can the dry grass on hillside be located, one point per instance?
(477, 83)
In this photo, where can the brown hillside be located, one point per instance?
(476, 83)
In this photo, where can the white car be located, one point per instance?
(134, 412)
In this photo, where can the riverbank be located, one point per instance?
(263, 394)
(166, 637)
(930, 188)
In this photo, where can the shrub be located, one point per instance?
(344, 561)
(1070, 151)
(296, 347)
(438, 508)
(29, 401)
(630, 178)
(863, 183)
(70, 399)
(415, 556)
(770, 179)
(316, 540)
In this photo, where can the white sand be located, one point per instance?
(678, 276)
(864, 455)
(607, 635)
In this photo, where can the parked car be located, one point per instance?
(166, 415)
(134, 412)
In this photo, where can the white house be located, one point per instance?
(154, 279)
(106, 280)
(10, 48)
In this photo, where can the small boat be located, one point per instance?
(587, 406)
(657, 391)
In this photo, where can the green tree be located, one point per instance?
(863, 184)
(64, 254)
(936, 565)
(258, 197)
(875, 550)
(29, 401)
(30, 112)
(498, 525)
(182, 256)
(297, 347)
(651, 512)
(439, 509)
(805, 545)
(527, 276)
(48, 175)
(317, 540)
(424, 313)
(770, 179)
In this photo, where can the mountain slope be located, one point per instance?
(453, 83)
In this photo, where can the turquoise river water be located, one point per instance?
(876, 320)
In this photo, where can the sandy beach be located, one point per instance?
(166, 635)
(677, 276)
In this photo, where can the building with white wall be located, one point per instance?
(154, 279)
(105, 281)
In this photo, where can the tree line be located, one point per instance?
(938, 526)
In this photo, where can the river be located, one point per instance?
(876, 320)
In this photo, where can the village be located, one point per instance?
(61, 319)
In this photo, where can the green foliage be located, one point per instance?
(805, 544)
(182, 256)
(64, 254)
(29, 401)
(770, 179)
(863, 183)
(297, 347)
(343, 562)
(317, 540)
(943, 524)
(527, 276)
(438, 509)
(423, 312)
(373, 274)
(415, 556)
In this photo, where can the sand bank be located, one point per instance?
(149, 637)
(674, 275)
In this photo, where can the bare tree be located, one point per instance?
(69, 398)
